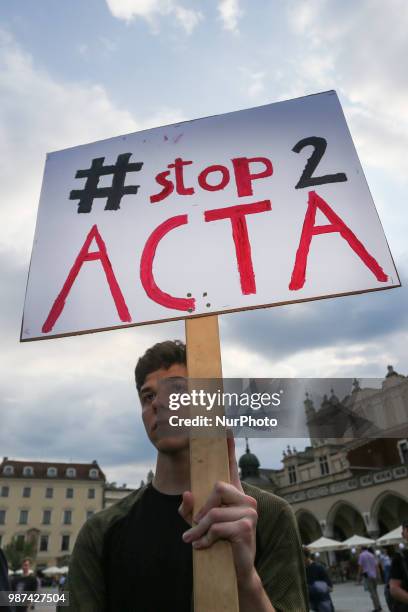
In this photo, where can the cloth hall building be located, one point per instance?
(344, 486)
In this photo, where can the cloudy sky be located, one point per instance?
(72, 72)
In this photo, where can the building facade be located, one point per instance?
(348, 485)
(113, 494)
(47, 504)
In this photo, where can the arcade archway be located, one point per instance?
(344, 521)
(389, 510)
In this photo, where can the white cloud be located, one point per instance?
(252, 84)
(39, 114)
(360, 50)
(75, 394)
(83, 49)
(369, 359)
(57, 115)
(151, 10)
(230, 14)
(188, 18)
(256, 85)
(81, 390)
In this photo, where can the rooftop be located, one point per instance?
(11, 468)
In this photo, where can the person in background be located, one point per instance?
(385, 562)
(318, 583)
(399, 575)
(61, 582)
(368, 568)
(25, 582)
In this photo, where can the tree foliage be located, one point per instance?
(17, 550)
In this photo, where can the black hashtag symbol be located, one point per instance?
(115, 192)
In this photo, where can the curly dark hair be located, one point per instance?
(161, 355)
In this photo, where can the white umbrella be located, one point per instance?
(357, 540)
(51, 571)
(63, 569)
(392, 537)
(325, 544)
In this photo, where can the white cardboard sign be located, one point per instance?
(253, 208)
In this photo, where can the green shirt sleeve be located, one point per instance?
(85, 583)
(86, 580)
(279, 561)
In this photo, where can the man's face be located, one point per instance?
(25, 567)
(153, 409)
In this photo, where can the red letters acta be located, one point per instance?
(146, 267)
(336, 225)
(236, 214)
(83, 256)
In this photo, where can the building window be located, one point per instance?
(52, 472)
(65, 542)
(4, 491)
(26, 491)
(403, 450)
(2, 517)
(28, 470)
(46, 520)
(71, 472)
(8, 470)
(69, 493)
(91, 493)
(89, 513)
(23, 519)
(67, 517)
(292, 474)
(49, 492)
(93, 473)
(43, 543)
(324, 465)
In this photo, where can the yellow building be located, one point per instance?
(48, 503)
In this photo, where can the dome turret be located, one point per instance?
(248, 463)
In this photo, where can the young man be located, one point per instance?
(399, 576)
(25, 582)
(137, 555)
(368, 568)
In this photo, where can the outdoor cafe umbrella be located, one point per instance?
(325, 544)
(357, 540)
(392, 537)
(52, 570)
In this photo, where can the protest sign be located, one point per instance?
(248, 209)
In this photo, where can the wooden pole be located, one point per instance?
(215, 583)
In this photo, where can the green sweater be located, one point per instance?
(279, 560)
